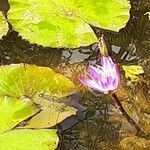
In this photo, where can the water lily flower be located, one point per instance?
(104, 78)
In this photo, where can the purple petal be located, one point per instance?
(115, 84)
(117, 76)
(109, 80)
(106, 61)
(110, 83)
(91, 83)
(103, 60)
(94, 73)
(103, 82)
(111, 73)
(99, 68)
(110, 60)
(103, 78)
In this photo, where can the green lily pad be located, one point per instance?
(22, 86)
(65, 23)
(4, 26)
(21, 80)
(29, 140)
(13, 111)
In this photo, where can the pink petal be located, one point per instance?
(99, 68)
(117, 76)
(115, 84)
(106, 61)
(103, 78)
(110, 60)
(109, 80)
(94, 73)
(91, 83)
(103, 82)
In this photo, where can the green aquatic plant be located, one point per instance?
(4, 26)
(35, 92)
(45, 139)
(66, 23)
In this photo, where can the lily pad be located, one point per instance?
(65, 23)
(4, 26)
(13, 111)
(22, 86)
(29, 140)
(20, 80)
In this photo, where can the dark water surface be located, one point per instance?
(91, 129)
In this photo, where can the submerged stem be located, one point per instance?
(139, 132)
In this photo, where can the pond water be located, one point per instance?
(98, 124)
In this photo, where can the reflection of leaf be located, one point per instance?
(135, 101)
(134, 143)
(13, 111)
(4, 6)
(29, 140)
(50, 116)
(132, 71)
(65, 22)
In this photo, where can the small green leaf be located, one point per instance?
(29, 140)
(132, 71)
(65, 23)
(13, 111)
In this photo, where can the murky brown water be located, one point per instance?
(97, 126)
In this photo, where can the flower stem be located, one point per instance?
(139, 131)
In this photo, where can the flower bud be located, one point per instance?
(103, 47)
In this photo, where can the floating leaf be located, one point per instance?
(26, 80)
(4, 26)
(65, 23)
(29, 140)
(13, 111)
(132, 71)
(22, 85)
